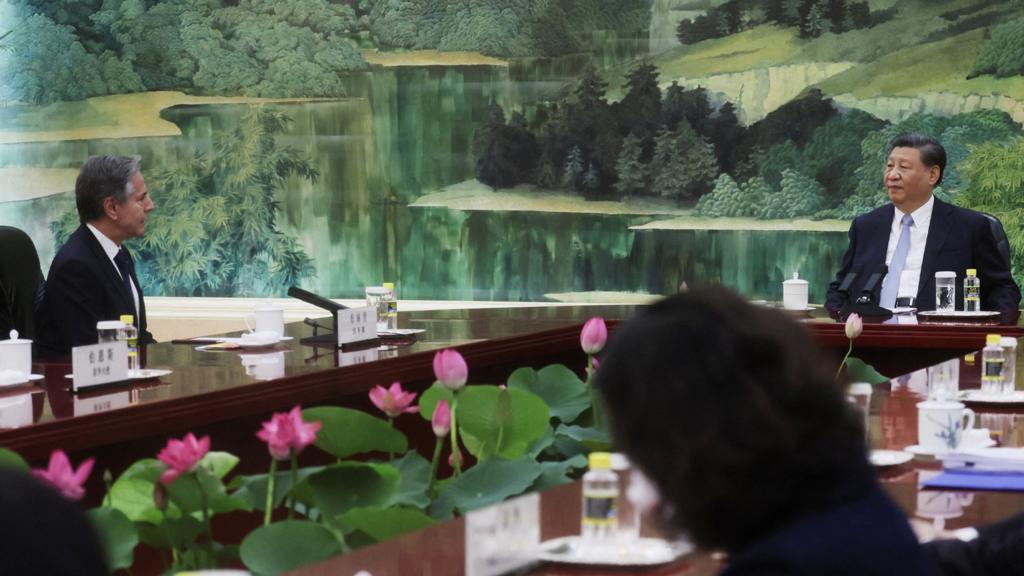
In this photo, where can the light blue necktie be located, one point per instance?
(891, 286)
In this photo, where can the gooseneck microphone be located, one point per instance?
(868, 293)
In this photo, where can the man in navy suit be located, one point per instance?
(92, 277)
(918, 235)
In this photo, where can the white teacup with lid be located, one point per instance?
(794, 293)
(267, 318)
(16, 354)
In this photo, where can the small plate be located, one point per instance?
(886, 458)
(958, 314)
(640, 552)
(919, 450)
(144, 374)
(976, 397)
(258, 343)
(808, 309)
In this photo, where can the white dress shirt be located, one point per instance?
(111, 248)
(911, 277)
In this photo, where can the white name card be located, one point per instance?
(99, 364)
(503, 537)
(356, 325)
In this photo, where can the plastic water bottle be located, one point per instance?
(972, 291)
(992, 360)
(600, 522)
(392, 305)
(130, 334)
(1009, 364)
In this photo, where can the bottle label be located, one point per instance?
(600, 510)
(992, 370)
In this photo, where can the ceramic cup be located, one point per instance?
(16, 354)
(794, 293)
(941, 425)
(267, 318)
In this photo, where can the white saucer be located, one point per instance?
(28, 378)
(919, 450)
(977, 397)
(886, 458)
(258, 343)
(640, 552)
(807, 309)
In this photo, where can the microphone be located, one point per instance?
(844, 286)
(868, 293)
(320, 302)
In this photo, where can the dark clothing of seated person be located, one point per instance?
(917, 235)
(735, 416)
(44, 534)
(92, 277)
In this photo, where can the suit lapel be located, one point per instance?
(107, 267)
(938, 231)
(882, 228)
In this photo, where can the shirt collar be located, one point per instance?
(922, 216)
(109, 246)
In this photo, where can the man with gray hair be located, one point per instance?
(92, 277)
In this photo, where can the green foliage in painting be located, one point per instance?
(995, 173)
(252, 47)
(214, 231)
(1003, 54)
(501, 27)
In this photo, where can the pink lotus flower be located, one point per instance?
(63, 477)
(450, 369)
(287, 431)
(594, 363)
(393, 401)
(854, 326)
(594, 335)
(442, 419)
(182, 456)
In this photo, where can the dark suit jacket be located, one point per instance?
(997, 551)
(958, 239)
(82, 288)
(866, 536)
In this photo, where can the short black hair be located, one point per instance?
(43, 532)
(103, 177)
(734, 413)
(932, 152)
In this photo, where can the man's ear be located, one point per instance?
(110, 207)
(933, 174)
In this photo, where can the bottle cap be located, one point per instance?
(127, 319)
(972, 271)
(389, 285)
(945, 274)
(993, 340)
(600, 460)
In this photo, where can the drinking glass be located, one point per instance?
(944, 380)
(945, 291)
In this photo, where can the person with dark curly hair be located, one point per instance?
(734, 414)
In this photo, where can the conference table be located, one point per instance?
(228, 393)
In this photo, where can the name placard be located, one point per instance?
(356, 325)
(503, 537)
(99, 364)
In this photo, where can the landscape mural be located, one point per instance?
(529, 150)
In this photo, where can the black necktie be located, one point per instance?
(124, 265)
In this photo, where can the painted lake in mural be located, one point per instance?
(410, 133)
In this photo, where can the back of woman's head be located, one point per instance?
(733, 412)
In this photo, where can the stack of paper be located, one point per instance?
(981, 469)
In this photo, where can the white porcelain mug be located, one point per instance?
(941, 425)
(16, 354)
(794, 293)
(267, 318)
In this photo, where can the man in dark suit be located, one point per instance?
(918, 235)
(92, 277)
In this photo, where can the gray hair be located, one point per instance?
(104, 177)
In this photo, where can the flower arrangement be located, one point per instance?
(530, 433)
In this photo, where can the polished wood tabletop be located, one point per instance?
(440, 549)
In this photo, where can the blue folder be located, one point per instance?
(967, 479)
